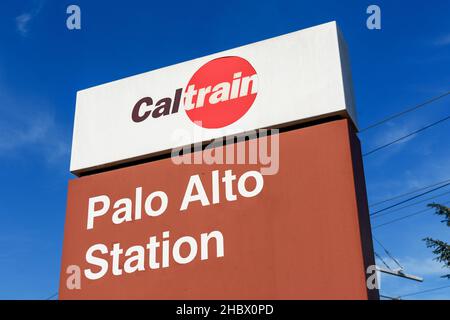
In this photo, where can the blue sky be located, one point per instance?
(43, 64)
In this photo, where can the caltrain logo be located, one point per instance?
(218, 94)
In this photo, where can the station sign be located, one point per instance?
(293, 78)
(159, 230)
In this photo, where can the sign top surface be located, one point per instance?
(297, 77)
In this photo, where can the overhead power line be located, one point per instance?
(396, 115)
(404, 217)
(414, 293)
(388, 253)
(409, 192)
(409, 199)
(412, 204)
(52, 296)
(381, 259)
(424, 291)
(401, 218)
(389, 297)
(406, 136)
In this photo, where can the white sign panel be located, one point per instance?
(289, 79)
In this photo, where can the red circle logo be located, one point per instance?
(220, 92)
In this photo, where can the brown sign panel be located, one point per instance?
(223, 231)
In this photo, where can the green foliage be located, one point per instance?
(440, 248)
(442, 211)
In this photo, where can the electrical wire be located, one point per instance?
(384, 262)
(396, 115)
(409, 199)
(408, 193)
(404, 217)
(390, 298)
(412, 204)
(406, 136)
(424, 291)
(52, 296)
(399, 219)
(388, 253)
